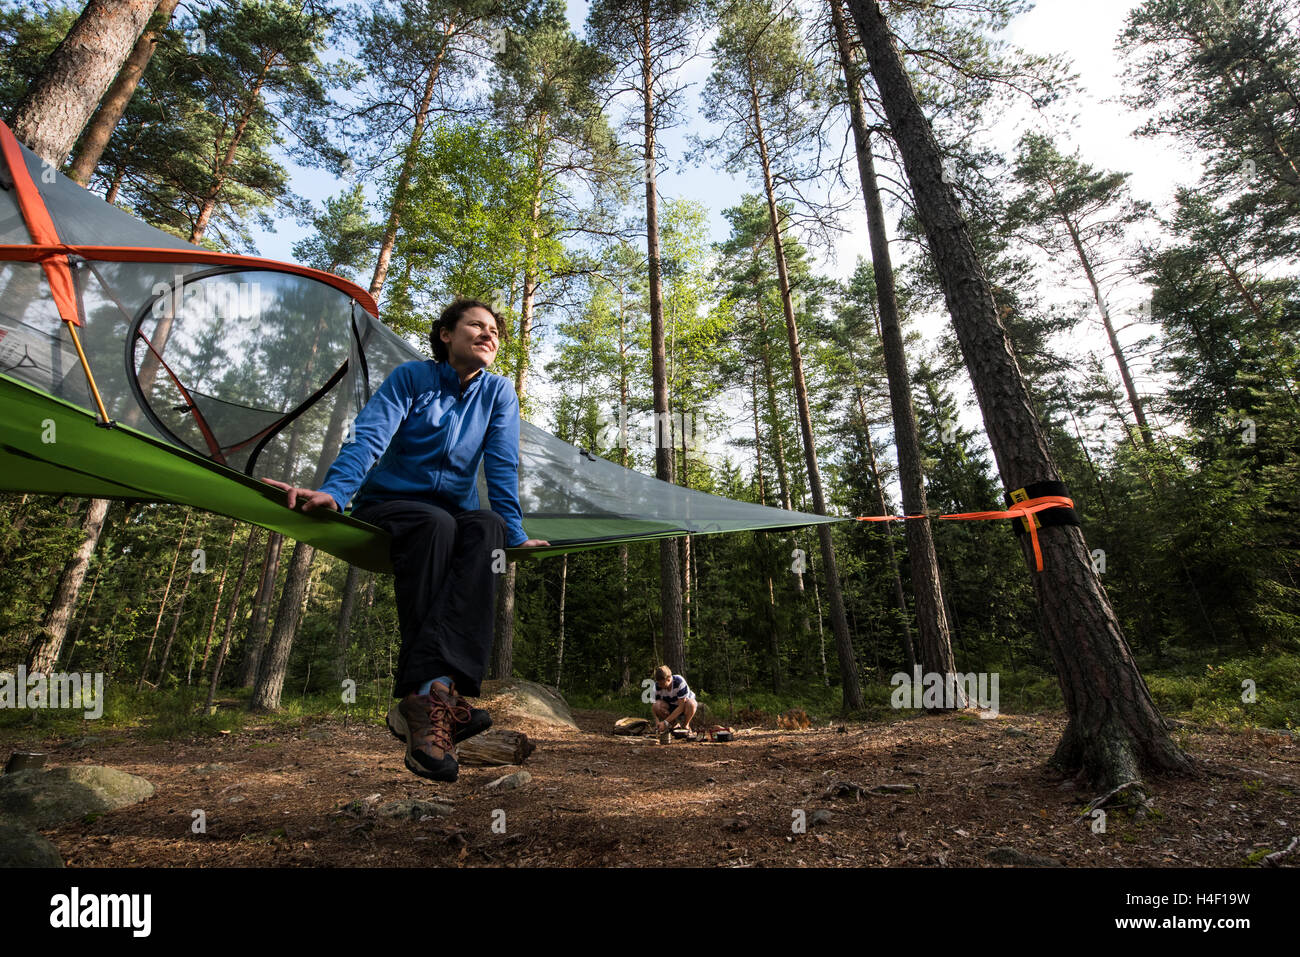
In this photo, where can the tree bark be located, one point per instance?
(564, 585)
(256, 637)
(404, 176)
(118, 96)
(230, 618)
(209, 204)
(762, 539)
(61, 100)
(932, 622)
(48, 642)
(162, 605)
(176, 619)
(1138, 414)
(344, 633)
(839, 622)
(272, 666)
(503, 662)
(1114, 731)
(493, 748)
(503, 652)
(275, 661)
(216, 608)
(670, 587)
(900, 599)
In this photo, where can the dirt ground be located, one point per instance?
(949, 790)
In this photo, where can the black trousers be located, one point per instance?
(446, 589)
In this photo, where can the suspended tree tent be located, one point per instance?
(137, 366)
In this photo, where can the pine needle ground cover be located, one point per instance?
(303, 789)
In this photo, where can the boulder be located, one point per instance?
(20, 846)
(531, 700)
(46, 798)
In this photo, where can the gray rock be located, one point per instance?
(509, 782)
(1016, 733)
(1017, 858)
(21, 846)
(533, 700)
(414, 810)
(46, 798)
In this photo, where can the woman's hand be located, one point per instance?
(308, 498)
(534, 543)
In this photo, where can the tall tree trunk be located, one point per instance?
(61, 100)
(271, 668)
(275, 661)
(839, 621)
(48, 121)
(1138, 414)
(624, 659)
(256, 637)
(48, 641)
(176, 618)
(503, 660)
(1114, 731)
(685, 556)
(932, 622)
(778, 455)
(216, 607)
(236, 594)
(904, 628)
(344, 633)
(162, 605)
(503, 649)
(564, 587)
(408, 167)
(209, 203)
(118, 96)
(81, 625)
(670, 587)
(761, 539)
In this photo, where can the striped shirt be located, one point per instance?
(675, 692)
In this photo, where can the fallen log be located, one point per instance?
(495, 747)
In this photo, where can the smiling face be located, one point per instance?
(472, 343)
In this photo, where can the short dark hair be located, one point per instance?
(452, 315)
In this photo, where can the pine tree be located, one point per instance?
(1114, 736)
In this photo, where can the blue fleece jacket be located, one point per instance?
(429, 437)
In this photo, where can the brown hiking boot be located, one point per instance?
(478, 722)
(429, 720)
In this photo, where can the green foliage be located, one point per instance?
(1211, 694)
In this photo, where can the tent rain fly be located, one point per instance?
(214, 368)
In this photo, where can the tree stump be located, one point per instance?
(495, 747)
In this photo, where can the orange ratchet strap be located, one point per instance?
(1021, 510)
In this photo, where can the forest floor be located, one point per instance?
(974, 793)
